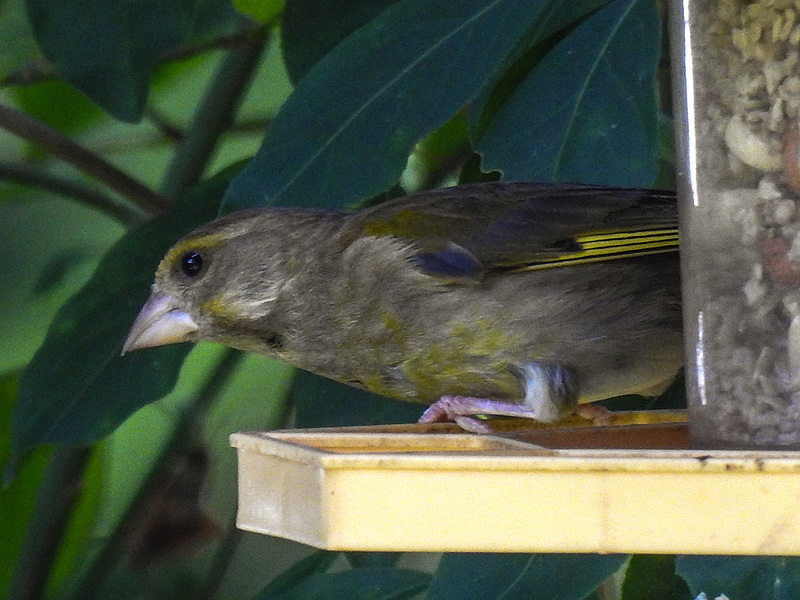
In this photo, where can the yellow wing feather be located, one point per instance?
(599, 247)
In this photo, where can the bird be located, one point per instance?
(497, 299)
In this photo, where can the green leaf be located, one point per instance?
(321, 402)
(559, 16)
(587, 111)
(312, 28)
(314, 563)
(652, 577)
(742, 577)
(17, 46)
(210, 18)
(78, 388)
(18, 497)
(16, 507)
(108, 48)
(347, 130)
(58, 268)
(263, 11)
(523, 576)
(438, 158)
(379, 583)
(79, 535)
(57, 104)
(361, 560)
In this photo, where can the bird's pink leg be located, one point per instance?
(463, 409)
(548, 395)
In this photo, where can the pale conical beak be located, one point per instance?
(161, 321)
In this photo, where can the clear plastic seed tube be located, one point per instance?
(737, 92)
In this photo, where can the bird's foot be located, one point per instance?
(549, 396)
(463, 411)
(599, 415)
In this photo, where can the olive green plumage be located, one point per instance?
(442, 294)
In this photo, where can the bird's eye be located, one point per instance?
(191, 263)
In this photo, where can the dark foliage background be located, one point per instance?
(125, 123)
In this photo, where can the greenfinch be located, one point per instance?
(506, 298)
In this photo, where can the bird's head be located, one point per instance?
(217, 283)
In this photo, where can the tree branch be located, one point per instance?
(59, 145)
(214, 115)
(90, 196)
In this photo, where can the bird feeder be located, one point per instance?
(737, 106)
(726, 483)
(634, 486)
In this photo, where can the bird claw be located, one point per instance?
(462, 411)
(450, 408)
(598, 415)
(474, 425)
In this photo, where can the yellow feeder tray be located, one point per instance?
(632, 487)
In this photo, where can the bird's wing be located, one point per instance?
(463, 232)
